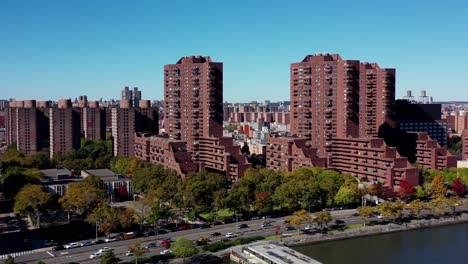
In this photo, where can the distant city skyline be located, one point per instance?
(56, 49)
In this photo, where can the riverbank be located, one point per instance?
(305, 239)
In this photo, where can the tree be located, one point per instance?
(183, 248)
(438, 188)
(416, 207)
(299, 217)
(438, 205)
(394, 209)
(420, 192)
(346, 196)
(106, 217)
(458, 187)
(83, 196)
(30, 201)
(263, 202)
(406, 190)
(323, 218)
(137, 250)
(366, 212)
(198, 189)
(9, 260)
(126, 218)
(109, 258)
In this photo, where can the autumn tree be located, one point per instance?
(263, 202)
(106, 217)
(421, 192)
(438, 188)
(406, 190)
(323, 218)
(458, 187)
(137, 250)
(299, 218)
(394, 209)
(346, 196)
(366, 212)
(416, 207)
(30, 201)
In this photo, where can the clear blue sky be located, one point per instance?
(63, 49)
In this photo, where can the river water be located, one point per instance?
(446, 244)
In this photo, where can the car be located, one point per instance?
(380, 216)
(110, 239)
(289, 228)
(355, 214)
(215, 234)
(151, 245)
(57, 247)
(149, 233)
(95, 255)
(229, 235)
(72, 245)
(166, 251)
(99, 241)
(309, 227)
(128, 253)
(255, 218)
(266, 225)
(243, 226)
(161, 231)
(104, 249)
(203, 226)
(204, 239)
(87, 243)
(184, 227)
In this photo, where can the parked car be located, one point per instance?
(215, 234)
(203, 226)
(255, 218)
(72, 245)
(149, 233)
(128, 235)
(184, 227)
(200, 243)
(309, 227)
(204, 239)
(243, 226)
(380, 216)
(87, 243)
(229, 235)
(266, 225)
(289, 228)
(57, 247)
(128, 253)
(99, 241)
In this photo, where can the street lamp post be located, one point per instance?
(96, 230)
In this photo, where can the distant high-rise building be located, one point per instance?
(123, 128)
(94, 121)
(324, 99)
(133, 95)
(193, 98)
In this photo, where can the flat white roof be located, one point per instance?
(280, 254)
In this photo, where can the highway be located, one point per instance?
(81, 254)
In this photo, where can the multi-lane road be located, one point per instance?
(82, 254)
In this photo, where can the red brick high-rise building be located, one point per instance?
(376, 99)
(193, 100)
(324, 99)
(93, 121)
(64, 128)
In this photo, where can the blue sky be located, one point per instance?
(63, 49)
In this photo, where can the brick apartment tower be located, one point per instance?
(123, 128)
(376, 99)
(324, 99)
(193, 98)
(64, 128)
(93, 121)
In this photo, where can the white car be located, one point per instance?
(166, 251)
(104, 249)
(380, 216)
(95, 255)
(128, 253)
(308, 227)
(87, 243)
(229, 235)
(110, 239)
(71, 245)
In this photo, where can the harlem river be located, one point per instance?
(446, 244)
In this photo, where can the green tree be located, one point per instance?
(299, 218)
(9, 260)
(420, 192)
(198, 189)
(83, 196)
(416, 207)
(14, 178)
(183, 248)
(394, 209)
(322, 219)
(137, 250)
(30, 201)
(109, 258)
(346, 196)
